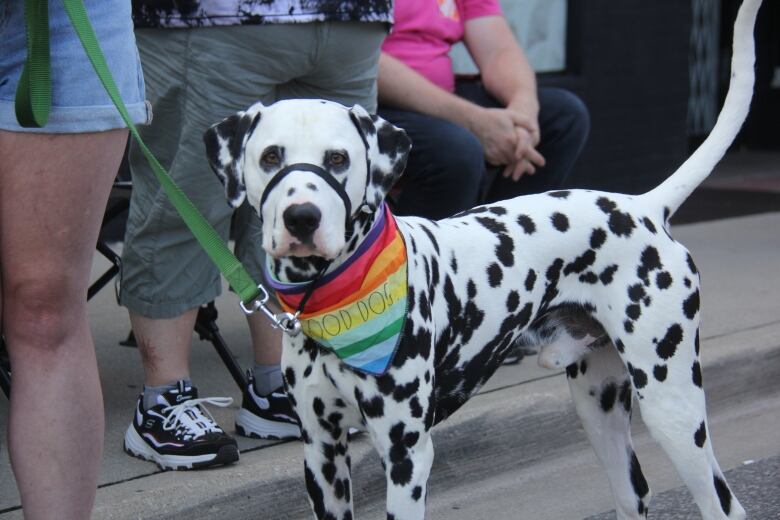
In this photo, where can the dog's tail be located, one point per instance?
(673, 191)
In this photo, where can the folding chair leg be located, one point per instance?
(5, 370)
(206, 327)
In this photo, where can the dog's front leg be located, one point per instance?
(327, 469)
(321, 411)
(400, 431)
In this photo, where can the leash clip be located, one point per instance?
(286, 321)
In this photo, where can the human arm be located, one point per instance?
(508, 76)
(402, 87)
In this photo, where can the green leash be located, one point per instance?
(33, 101)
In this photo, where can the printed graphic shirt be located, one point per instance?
(424, 31)
(204, 13)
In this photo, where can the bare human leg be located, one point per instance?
(53, 192)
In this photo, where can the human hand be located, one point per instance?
(525, 113)
(496, 131)
(526, 158)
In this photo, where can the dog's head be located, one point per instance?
(330, 162)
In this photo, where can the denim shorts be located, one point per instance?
(79, 101)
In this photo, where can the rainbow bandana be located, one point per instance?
(357, 311)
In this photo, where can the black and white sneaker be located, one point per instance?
(179, 433)
(268, 416)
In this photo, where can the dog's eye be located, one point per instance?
(271, 157)
(337, 159)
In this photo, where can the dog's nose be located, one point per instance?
(301, 220)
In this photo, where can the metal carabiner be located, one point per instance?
(289, 323)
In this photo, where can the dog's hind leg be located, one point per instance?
(602, 394)
(671, 399)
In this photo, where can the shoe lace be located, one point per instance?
(190, 419)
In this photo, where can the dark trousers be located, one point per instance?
(446, 172)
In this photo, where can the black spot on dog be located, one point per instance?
(425, 306)
(530, 280)
(608, 397)
(401, 464)
(636, 292)
(495, 275)
(494, 226)
(471, 289)
(696, 374)
(404, 392)
(572, 370)
(701, 435)
(633, 311)
(696, 342)
(621, 224)
(415, 408)
(505, 250)
(527, 224)
(432, 238)
(607, 275)
(667, 347)
(329, 472)
(626, 395)
(649, 262)
(638, 376)
(581, 263)
(659, 372)
(583, 367)
(497, 210)
(628, 325)
(563, 194)
(289, 377)
(374, 407)
(649, 225)
(385, 383)
(691, 265)
(606, 205)
(597, 238)
(416, 493)
(663, 280)
(724, 495)
(553, 272)
(620, 346)
(512, 301)
(638, 481)
(691, 305)
(589, 277)
(315, 492)
(454, 265)
(307, 371)
(560, 222)
(318, 406)
(338, 489)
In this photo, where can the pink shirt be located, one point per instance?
(425, 30)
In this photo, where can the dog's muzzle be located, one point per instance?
(301, 217)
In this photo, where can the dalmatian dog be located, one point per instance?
(595, 278)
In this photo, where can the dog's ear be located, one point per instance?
(387, 147)
(225, 142)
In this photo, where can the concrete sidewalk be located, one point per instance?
(506, 437)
